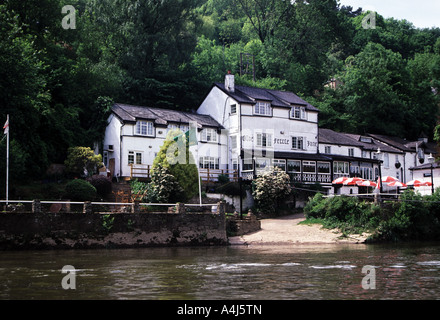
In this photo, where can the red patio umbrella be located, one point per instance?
(388, 179)
(352, 181)
(419, 183)
(367, 183)
(339, 180)
(397, 184)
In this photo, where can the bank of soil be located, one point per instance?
(287, 230)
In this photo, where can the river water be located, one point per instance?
(404, 271)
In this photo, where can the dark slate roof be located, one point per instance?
(332, 137)
(328, 136)
(276, 97)
(405, 145)
(396, 142)
(374, 145)
(130, 113)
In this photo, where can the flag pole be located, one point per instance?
(7, 159)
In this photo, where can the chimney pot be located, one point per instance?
(230, 82)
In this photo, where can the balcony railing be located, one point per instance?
(207, 175)
(211, 175)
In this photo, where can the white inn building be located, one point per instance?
(242, 130)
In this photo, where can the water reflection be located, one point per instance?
(279, 272)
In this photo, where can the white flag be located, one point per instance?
(6, 127)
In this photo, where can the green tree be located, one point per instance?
(175, 156)
(82, 161)
(375, 91)
(80, 190)
(164, 186)
(151, 42)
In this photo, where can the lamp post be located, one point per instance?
(379, 157)
(431, 160)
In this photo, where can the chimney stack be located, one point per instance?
(230, 82)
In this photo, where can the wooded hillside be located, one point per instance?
(58, 84)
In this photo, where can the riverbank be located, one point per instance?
(287, 230)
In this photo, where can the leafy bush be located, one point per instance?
(344, 212)
(316, 207)
(269, 187)
(416, 217)
(82, 161)
(165, 187)
(102, 184)
(179, 161)
(80, 190)
(223, 178)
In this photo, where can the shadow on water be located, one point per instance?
(404, 271)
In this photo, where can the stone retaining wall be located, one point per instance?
(113, 230)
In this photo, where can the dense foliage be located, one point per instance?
(58, 84)
(174, 156)
(82, 161)
(163, 188)
(269, 188)
(80, 190)
(414, 217)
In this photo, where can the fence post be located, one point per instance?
(221, 208)
(36, 206)
(180, 208)
(135, 207)
(87, 208)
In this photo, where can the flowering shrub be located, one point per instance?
(269, 188)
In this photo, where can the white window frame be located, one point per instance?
(298, 113)
(209, 135)
(298, 143)
(351, 152)
(280, 163)
(134, 157)
(233, 109)
(182, 127)
(321, 164)
(105, 158)
(263, 108)
(131, 157)
(309, 163)
(386, 160)
(263, 137)
(208, 162)
(248, 164)
(328, 149)
(144, 128)
(294, 161)
(261, 163)
(337, 165)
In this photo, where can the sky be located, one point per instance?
(422, 13)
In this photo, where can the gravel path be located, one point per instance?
(286, 230)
